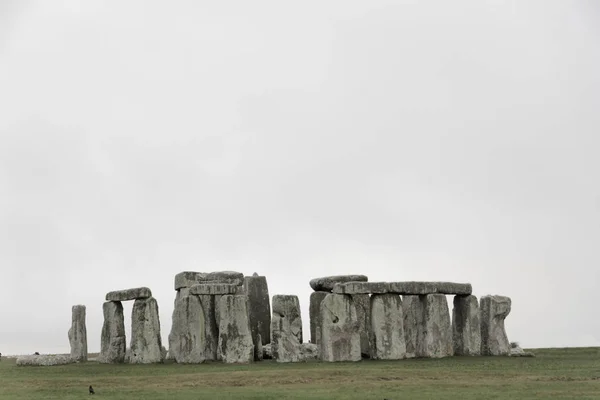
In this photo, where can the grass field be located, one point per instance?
(571, 373)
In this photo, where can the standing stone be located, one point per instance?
(315, 315)
(363, 314)
(211, 327)
(146, 344)
(494, 309)
(412, 313)
(286, 327)
(78, 334)
(466, 326)
(112, 344)
(187, 338)
(257, 290)
(235, 336)
(435, 340)
(340, 336)
(387, 327)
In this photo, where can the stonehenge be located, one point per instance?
(387, 327)
(235, 336)
(466, 326)
(78, 334)
(286, 328)
(494, 309)
(340, 335)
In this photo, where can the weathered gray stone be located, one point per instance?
(257, 290)
(267, 353)
(45, 360)
(309, 352)
(233, 277)
(494, 309)
(315, 315)
(129, 294)
(412, 313)
(187, 279)
(112, 344)
(387, 327)
(326, 283)
(190, 331)
(362, 303)
(235, 336)
(286, 328)
(258, 348)
(340, 335)
(517, 351)
(214, 289)
(435, 340)
(78, 334)
(146, 343)
(403, 288)
(466, 326)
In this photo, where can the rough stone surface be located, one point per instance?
(257, 290)
(314, 311)
(129, 294)
(267, 354)
(192, 330)
(326, 283)
(412, 313)
(187, 279)
(309, 352)
(233, 277)
(258, 348)
(466, 326)
(146, 343)
(112, 345)
(214, 289)
(286, 328)
(403, 288)
(340, 336)
(362, 302)
(494, 309)
(435, 340)
(235, 336)
(78, 334)
(517, 351)
(45, 360)
(387, 327)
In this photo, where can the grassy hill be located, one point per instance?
(569, 373)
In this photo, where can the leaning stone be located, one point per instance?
(286, 328)
(257, 290)
(78, 334)
(233, 277)
(112, 344)
(146, 343)
(363, 314)
(435, 340)
(214, 289)
(340, 335)
(387, 327)
(187, 338)
(45, 360)
(235, 336)
(188, 279)
(315, 315)
(494, 309)
(403, 288)
(466, 326)
(326, 283)
(129, 294)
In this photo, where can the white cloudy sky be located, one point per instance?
(405, 140)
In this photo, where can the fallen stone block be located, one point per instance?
(129, 294)
(466, 326)
(286, 328)
(45, 360)
(494, 309)
(387, 327)
(326, 283)
(214, 289)
(403, 288)
(340, 335)
(78, 334)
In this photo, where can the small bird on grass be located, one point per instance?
(91, 390)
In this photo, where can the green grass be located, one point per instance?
(570, 373)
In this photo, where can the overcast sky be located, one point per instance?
(404, 140)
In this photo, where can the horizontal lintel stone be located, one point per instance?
(214, 289)
(404, 288)
(129, 294)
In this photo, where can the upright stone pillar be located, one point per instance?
(235, 336)
(362, 303)
(466, 326)
(78, 334)
(494, 309)
(146, 343)
(387, 327)
(257, 290)
(315, 315)
(286, 327)
(435, 340)
(187, 338)
(340, 335)
(413, 314)
(112, 343)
